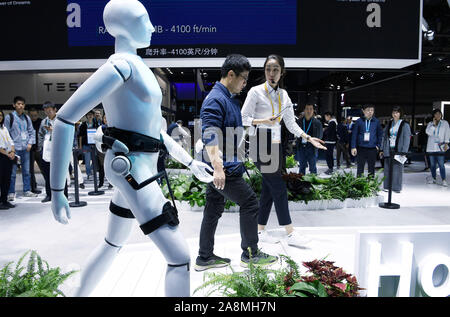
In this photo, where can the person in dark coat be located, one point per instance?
(342, 144)
(330, 138)
(306, 153)
(396, 139)
(366, 140)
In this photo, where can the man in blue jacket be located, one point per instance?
(366, 140)
(22, 133)
(221, 113)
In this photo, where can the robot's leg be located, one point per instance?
(176, 252)
(167, 238)
(147, 204)
(119, 228)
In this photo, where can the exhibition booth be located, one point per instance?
(376, 243)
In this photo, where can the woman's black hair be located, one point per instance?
(280, 61)
(398, 109)
(436, 111)
(3, 119)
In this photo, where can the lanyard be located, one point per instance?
(309, 125)
(271, 103)
(394, 131)
(19, 122)
(438, 127)
(368, 125)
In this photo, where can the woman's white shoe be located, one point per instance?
(297, 240)
(264, 236)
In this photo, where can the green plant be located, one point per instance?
(291, 162)
(338, 186)
(32, 281)
(254, 282)
(323, 280)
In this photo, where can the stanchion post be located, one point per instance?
(77, 202)
(96, 192)
(389, 204)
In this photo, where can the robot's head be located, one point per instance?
(128, 19)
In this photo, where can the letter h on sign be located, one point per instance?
(376, 269)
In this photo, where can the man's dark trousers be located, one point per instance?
(35, 156)
(364, 155)
(237, 190)
(329, 155)
(306, 156)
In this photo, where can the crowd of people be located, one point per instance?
(25, 141)
(367, 140)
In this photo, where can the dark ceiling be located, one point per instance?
(415, 86)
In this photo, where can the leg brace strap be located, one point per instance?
(120, 211)
(169, 216)
(188, 265)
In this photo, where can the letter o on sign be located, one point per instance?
(426, 270)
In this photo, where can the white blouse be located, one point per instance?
(6, 142)
(437, 135)
(257, 105)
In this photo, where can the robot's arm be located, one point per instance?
(106, 79)
(177, 152)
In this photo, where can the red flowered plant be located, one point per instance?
(325, 279)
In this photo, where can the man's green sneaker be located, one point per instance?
(259, 259)
(213, 261)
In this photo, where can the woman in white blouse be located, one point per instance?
(265, 107)
(438, 132)
(7, 155)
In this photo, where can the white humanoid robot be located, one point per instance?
(131, 98)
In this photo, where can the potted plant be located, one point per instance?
(37, 279)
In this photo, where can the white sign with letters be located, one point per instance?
(404, 262)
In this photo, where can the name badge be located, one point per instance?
(276, 134)
(90, 136)
(24, 136)
(304, 141)
(367, 137)
(392, 141)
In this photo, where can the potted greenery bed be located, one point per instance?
(37, 279)
(305, 192)
(322, 279)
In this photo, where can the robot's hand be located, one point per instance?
(112, 143)
(60, 207)
(119, 147)
(200, 171)
(198, 146)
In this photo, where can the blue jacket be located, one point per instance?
(21, 124)
(220, 110)
(359, 128)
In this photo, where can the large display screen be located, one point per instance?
(320, 33)
(201, 22)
